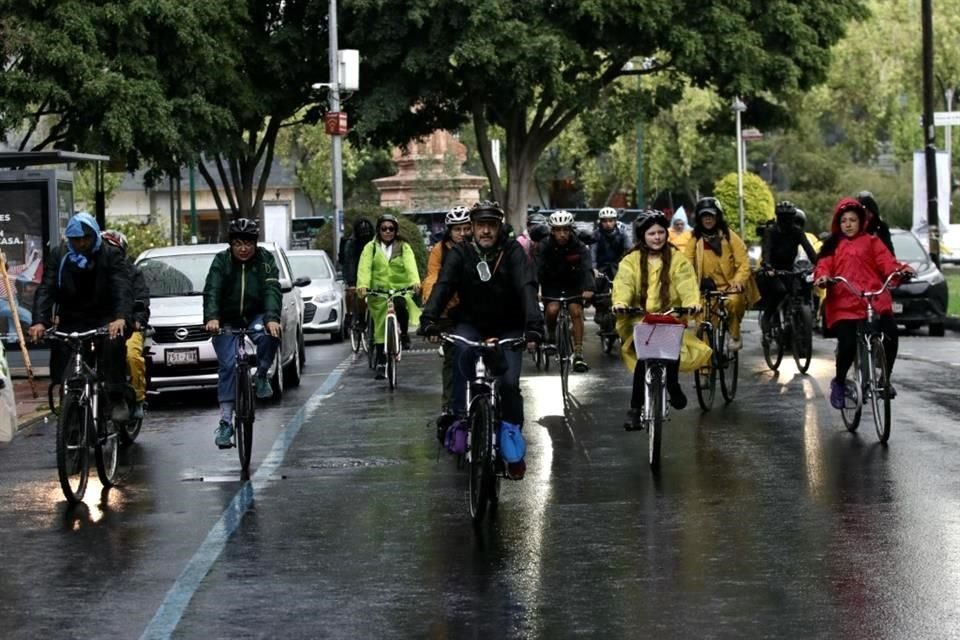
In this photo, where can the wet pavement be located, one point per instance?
(767, 519)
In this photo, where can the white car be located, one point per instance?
(181, 351)
(324, 307)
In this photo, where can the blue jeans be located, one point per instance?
(226, 348)
(511, 402)
(26, 318)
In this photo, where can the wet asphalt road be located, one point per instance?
(767, 519)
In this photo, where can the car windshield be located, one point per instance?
(908, 248)
(182, 275)
(314, 267)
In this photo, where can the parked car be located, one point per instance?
(323, 301)
(923, 299)
(181, 351)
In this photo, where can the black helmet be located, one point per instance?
(244, 228)
(486, 210)
(866, 199)
(786, 208)
(646, 220)
(708, 205)
(800, 218)
(363, 228)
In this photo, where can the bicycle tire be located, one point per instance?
(73, 450)
(730, 376)
(392, 348)
(106, 449)
(482, 458)
(853, 407)
(656, 392)
(537, 357)
(802, 337)
(356, 339)
(705, 378)
(369, 339)
(773, 345)
(879, 390)
(243, 417)
(609, 342)
(564, 352)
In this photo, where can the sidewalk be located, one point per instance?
(30, 409)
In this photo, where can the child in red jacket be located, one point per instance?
(864, 261)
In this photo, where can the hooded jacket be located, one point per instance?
(236, 292)
(863, 260)
(353, 248)
(609, 248)
(680, 240)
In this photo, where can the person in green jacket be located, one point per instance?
(387, 262)
(242, 290)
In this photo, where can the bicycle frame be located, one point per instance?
(391, 331)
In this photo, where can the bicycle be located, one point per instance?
(483, 416)
(870, 370)
(791, 321)
(81, 423)
(244, 405)
(608, 333)
(564, 342)
(359, 340)
(723, 364)
(657, 339)
(391, 332)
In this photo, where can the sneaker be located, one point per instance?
(444, 421)
(224, 436)
(138, 411)
(381, 372)
(678, 400)
(579, 364)
(634, 420)
(263, 388)
(733, 345)
(516, 470)
(549, 349)
(119, 411)
(837, 391)
(405, 341)
(891, 391)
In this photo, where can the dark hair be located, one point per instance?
(829, 245)
(666, 255)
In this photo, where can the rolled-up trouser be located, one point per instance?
(511, 401)
(136, 365)
(226, 347)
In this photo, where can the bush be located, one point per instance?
(408, 231)
(141, 237)
(758, 203)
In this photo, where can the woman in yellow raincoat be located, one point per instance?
(656, 276)
(718, 254)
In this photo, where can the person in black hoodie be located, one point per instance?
(876, 226)
(362, 234)
(498, 299)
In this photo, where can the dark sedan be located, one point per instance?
(922, 300)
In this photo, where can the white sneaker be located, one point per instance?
(733, 345)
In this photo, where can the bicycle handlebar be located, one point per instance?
(494, 343)
(53, 334)
(389, 293)
(242, 331)
(867, 294)
(634, 311)
(562, 300)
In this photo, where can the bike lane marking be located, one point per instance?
(178, 598)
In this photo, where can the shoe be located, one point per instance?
(579, 364)
(634, 420)
(138, 411)
(119, 412)
(837, 392)
(224, 436)
(263, 388)
(733, 345)
(549, 349)
(891, 391)
(678, 400)
(381, 372)
(404, 341)
(443, 422)
(516, 470)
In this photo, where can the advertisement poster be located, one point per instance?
(21, 241)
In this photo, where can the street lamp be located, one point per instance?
(739, 107)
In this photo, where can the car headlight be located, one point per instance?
(326, 296)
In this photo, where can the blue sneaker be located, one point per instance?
(138, 411)
(263, 388)
(224, 437)
(837, 391)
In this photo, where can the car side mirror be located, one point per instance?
(302, 281)
(285, 285)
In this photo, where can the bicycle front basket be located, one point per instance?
(657, 341)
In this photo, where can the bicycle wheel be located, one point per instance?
(772, 343)
(609, 342)
(73, 450)
(564, 351)
(481, 458)
(392, 348)
(369, 344)
(802, 336)
(705, 378)
(853, 394)
(356, 338)
(729, 370)
(243, 416)
(656, 392)
(879, 390)
(537, 357)
(106, 449)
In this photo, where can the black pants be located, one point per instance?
(673, 382)
(846, 332)
(403, 316)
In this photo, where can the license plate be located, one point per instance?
(180, 357)
(898, 307)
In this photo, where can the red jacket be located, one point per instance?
(866, 263)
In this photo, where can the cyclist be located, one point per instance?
(656, 276)
(388, 263)
(242, 290)
(458, 229)
(609, 247)
(719, 259)
(85, 285)
(138, 321)
(876, 226)
(564, 268)
(498, 299)
(537, 230)
(362, 234)
(862, 259)
(680, 233)
(782, 240)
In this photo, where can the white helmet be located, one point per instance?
(458, 215)
(607, 213)
(561, 218)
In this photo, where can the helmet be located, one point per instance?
(708, 205)
(800, 218)
(867, 200)
(115, 238)
(647, 219)
(486, 210)
(244, 228)
(561, 218)
(536, 220)
(458, 215)
(607, 213)
(387, 217)
(785, 208)
(363, 229)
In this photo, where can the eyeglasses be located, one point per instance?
(388, 229)
(238, 243)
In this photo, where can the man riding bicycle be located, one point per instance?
(362, 234)
(781, 241)
(609, 247)
(564, 269)
(242, 290)
(498, 299)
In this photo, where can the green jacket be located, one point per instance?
(236, 292)
(376, 272)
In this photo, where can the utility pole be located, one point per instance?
(739, 107)
(337, 140)
(929, 131)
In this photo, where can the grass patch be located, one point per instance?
(953, 289)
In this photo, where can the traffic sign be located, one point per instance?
(751, 134)
(946, 118)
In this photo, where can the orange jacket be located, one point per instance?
(434, 264)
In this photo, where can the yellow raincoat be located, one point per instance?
(684, 292)
(732, 267)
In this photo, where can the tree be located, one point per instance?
(758, 203)
(84, 187)
(532, 67)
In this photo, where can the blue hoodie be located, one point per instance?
(80, 225)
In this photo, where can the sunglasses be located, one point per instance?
(388, 229)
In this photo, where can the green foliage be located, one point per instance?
(408, 231)
(758, 203)
(85, 188)
(141, 237)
